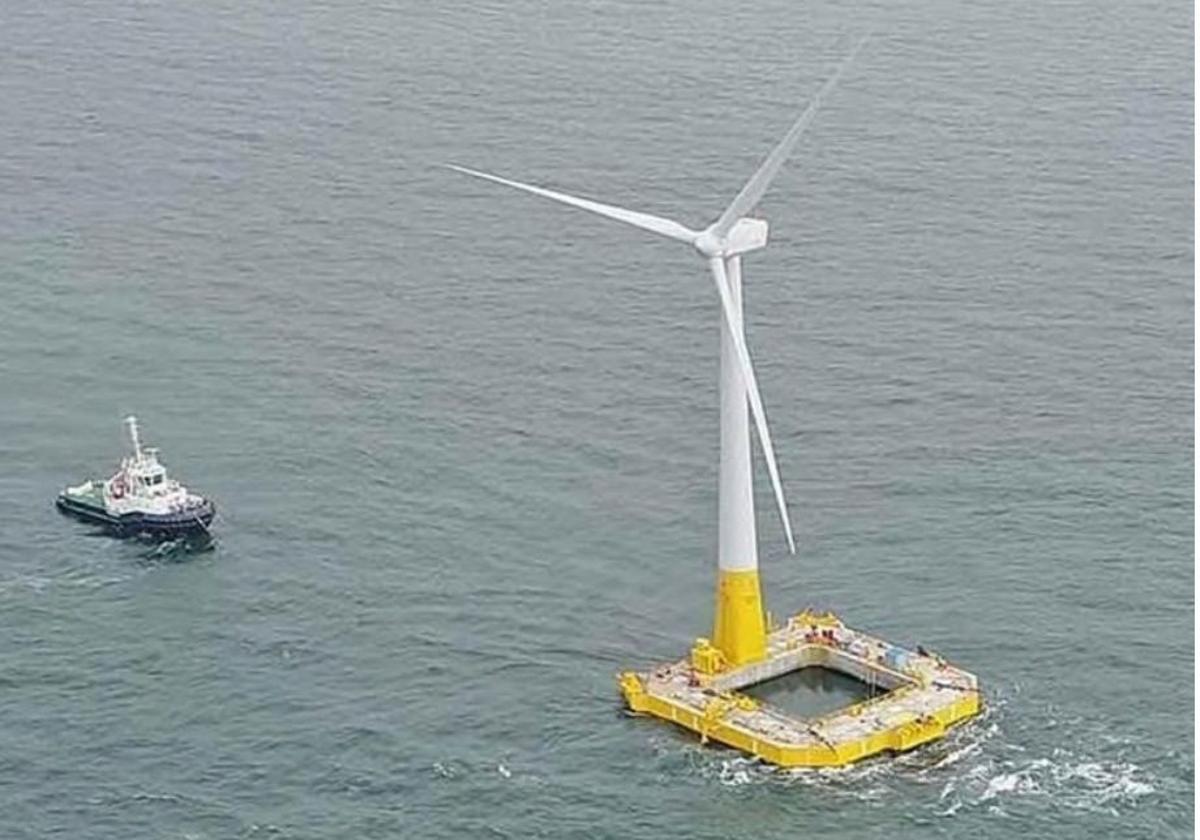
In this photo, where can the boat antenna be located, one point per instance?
(131, 422)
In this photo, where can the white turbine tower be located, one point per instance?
(739, 630)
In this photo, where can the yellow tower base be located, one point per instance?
(739, 630)
(922, 695)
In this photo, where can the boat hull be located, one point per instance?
(195, 520)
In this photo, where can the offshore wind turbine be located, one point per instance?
(739, 628)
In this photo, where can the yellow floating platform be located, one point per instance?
(925, 696)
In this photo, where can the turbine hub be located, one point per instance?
(745, 235)
(709, 244)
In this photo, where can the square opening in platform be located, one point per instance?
(812, 692)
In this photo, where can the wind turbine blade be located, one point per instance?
(756, 407)
(645, 221)
(745, 200)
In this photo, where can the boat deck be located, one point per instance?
(90, 493)
(923, 696)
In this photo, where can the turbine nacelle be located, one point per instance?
(745, 235)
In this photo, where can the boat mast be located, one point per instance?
(131, 422)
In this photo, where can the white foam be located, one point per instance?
(1020, 782)
(952, 810)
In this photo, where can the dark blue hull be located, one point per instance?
(193, 521)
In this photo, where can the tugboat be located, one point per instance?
(139, 499)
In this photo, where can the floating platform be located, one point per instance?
(922, 696)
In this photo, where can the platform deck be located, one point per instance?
(921, 697)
